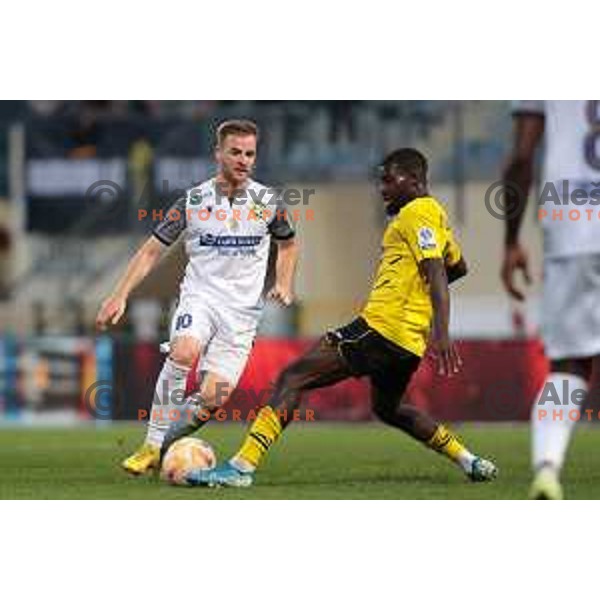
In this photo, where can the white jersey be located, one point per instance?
(227, 242)
(570, 188)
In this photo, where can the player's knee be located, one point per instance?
(184, 353)
(385, 412)
(403, 417)
(386, 408)
(292, 379)
(210, 401)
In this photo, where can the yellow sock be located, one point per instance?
(445, 442)
(263, 433)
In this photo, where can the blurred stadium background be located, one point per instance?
(64, 239)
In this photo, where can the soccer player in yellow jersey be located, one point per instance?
(407, 310)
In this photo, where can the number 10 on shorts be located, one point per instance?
(183, 321)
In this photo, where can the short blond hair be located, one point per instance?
(236, 127)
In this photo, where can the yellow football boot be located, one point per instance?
(546, 486)
(144, 460)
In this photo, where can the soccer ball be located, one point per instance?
(184, 455)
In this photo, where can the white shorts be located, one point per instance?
(226, 335)
(571, 306)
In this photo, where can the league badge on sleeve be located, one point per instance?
(426, 238)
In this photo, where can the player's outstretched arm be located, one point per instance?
(285, 269)
(434, 271)
(518, 177)
(139, 266)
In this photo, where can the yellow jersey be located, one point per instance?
(399, 305)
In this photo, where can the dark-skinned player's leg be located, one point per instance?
(396, 412)
(551, 433)
(321, 366)
(390, 405)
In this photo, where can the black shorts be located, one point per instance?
(367, 352)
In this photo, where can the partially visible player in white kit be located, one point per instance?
(228, 222)
(571, 286)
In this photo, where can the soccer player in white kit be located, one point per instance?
(228, 222)
(569, 214)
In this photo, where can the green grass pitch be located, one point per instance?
(310, 462)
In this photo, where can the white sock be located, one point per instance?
(466, 459)
(552, 423)
(241, 465)
(168, 396)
